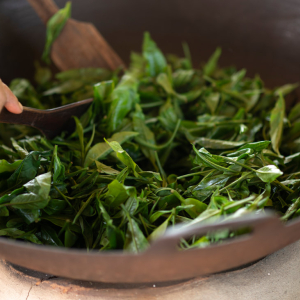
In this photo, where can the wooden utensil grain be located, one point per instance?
(51, 121)
(80, 45)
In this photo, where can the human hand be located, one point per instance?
(9, 100)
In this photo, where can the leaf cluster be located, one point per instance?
(162, 144)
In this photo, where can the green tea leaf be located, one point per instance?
(49, 236)
(55, 206)
(213, 161)
(285, 89)
(208, 185)
(156, 62)
(198, 207)
(70, 238)
(54, 27)
(102, 91)
(212, 101)
(125, 190)
(4, 212)
(101, 150)
(116, 194)
(19, 234)
(294, 113)
(25, 92)
(144, 133)
(217, 144)
(268, 173)
(164, 81)
(79, 131)
(160, 230)
(123, 99)
(124, 157)
(182, 78)
(59, 168)
(28, 168)
(86, 75)
(64, 88)
(257, 146)
(7, 167)
(276, 123)
(61, 220)
(211, 65)
(42, 75)
(37, 195)
(135, 240)
(21, 151)
(29, 215)
(102, 168)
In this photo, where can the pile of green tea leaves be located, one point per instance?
(162, 144)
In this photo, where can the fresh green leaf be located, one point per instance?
(19, 234)
(124, 157)
(7, 167)
(285, 89)
(276, 123)
(54, 27)
(101, 150)
(156, 62)
(59, 168)
(135, 240)
(37, 195)
(116, 194)
(27, 170)
(211, 65)
(217, 144)
(268, 173)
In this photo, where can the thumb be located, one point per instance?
(11, 102)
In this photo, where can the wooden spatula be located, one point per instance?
(51, 121)
(79, 45)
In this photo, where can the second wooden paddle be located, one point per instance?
(79, 45)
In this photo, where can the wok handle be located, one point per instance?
(264, 227)
(44, 8)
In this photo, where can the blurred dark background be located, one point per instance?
(261, 35)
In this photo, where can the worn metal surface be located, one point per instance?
(162, 261)
(276, 277)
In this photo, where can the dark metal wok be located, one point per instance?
(162, 261)
(262, 36)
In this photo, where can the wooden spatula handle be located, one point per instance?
(26, 118)
(44, 8)
(51, 121)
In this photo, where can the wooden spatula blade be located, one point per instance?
(81, 45)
